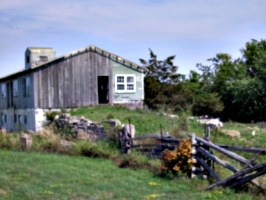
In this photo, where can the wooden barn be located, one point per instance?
(88, 77)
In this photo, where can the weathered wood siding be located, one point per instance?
(20, 101)
(71, 82)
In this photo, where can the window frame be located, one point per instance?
(26, 86)
(125, 83)
(15, 88)
(3, 90)
(43, 58)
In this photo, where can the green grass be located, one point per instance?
(28, 175)
(146, 122)
(51, 176)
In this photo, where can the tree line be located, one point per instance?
(232, 89)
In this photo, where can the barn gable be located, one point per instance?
(87, 77)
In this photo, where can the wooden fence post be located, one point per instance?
(193, 155)
(207, 133)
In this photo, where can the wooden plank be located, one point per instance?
(72, 82)
(89, 87)
(50, 87)
(45, 87)
(110, 74)
(82, 78)
(67, 89)
(95, 74)
(249, 178)
(224, 151)
(170, 140)
(207, 167)
(36, 89)
(55, 84)
(157, 137)
(78, 80)
(92, 78)
(238, 148)
(241, 173)
(86, 81)
(40, 89)
(215, 159)
(60, 84)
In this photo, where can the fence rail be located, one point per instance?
(202, 154)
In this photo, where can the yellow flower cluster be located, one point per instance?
(153, 183)
(152, 196)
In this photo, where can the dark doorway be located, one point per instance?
(10, 94)
(103, 94)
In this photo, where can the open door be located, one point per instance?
(103, 91)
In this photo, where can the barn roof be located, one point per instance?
(73, 53)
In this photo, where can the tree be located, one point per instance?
(207, 103)
(244, 100)
(162, 70)
(253, 52)
(163, 84)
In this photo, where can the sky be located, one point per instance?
(192, 30)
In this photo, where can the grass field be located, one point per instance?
(51, 176)
(32, 175)
(145, 121)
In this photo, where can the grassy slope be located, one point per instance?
(51, 176)
(45, 176)
(145, 122)
(149, 122)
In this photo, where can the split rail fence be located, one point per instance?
(202, 154)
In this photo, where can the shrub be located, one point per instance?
(179, 160)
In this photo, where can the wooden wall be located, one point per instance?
(71, 82)
(20, 101)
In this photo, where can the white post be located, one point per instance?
(193, 154)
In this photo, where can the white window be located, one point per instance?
(125, 83)
(15, 88)
(3, 90)
(26, 86)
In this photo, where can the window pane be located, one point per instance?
(43, 58)
(120, 79)
(120, 87)
(3, 88)
(27, 86)
(15, 88)
(130, 79)
(130, 86)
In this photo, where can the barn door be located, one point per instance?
(103, 90)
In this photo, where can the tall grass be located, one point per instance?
(49, 140)
(51, 176)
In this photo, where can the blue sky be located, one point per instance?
(192, 30)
